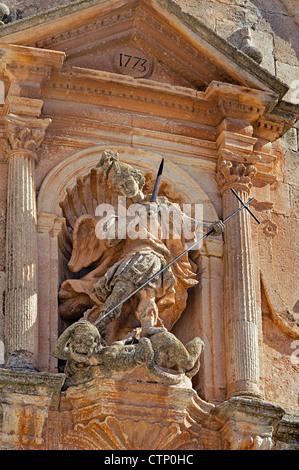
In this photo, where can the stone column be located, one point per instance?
(240, 313)
(21, 343)
(26, 68)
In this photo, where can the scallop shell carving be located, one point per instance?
(128, 434)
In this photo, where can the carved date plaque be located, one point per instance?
(132, 61)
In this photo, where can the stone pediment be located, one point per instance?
(154, 40)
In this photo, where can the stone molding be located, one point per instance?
(248, 423)
(27, 64)
(26, 398)
(98, 419)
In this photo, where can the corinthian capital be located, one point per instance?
(24, 135)
(234, 175)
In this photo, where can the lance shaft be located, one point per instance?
(158, 181)
(244, 206)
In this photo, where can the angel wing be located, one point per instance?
(87, 248)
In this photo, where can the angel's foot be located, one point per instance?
(152, 330)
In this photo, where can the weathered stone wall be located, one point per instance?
(275, 31)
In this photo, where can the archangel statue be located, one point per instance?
(119, 261)
(121, 310)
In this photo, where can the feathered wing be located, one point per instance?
(87, 248)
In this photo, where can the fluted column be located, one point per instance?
(240, 312)
(21, 333)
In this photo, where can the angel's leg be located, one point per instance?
(147, 311)
(119, 292)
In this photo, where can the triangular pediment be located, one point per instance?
(150, 39)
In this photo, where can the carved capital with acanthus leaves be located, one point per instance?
(24, 135)
(235, 175)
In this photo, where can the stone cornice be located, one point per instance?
(220, 100)
(17, 59)
(26, 67)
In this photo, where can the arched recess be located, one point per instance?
(50, 222)
(65, 174)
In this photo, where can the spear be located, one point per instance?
(243, 206)
(158, 181)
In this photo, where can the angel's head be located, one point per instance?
(126, 180)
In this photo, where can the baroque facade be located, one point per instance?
(213, 88)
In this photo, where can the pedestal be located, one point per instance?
(126, 414)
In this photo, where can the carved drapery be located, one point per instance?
(24, 136)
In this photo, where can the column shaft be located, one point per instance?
(21, 261)
(24, 135)
(241, 329)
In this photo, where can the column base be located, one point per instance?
(21, 360)
(244, 388)
(25, 399)
(248, 423)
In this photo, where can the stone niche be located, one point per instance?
(146, 81)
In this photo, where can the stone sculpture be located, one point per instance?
(122, 263)
(164, 356)
(115, 335)
(118, 264)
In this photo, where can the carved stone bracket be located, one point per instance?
(248, 424)
(26, 398)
